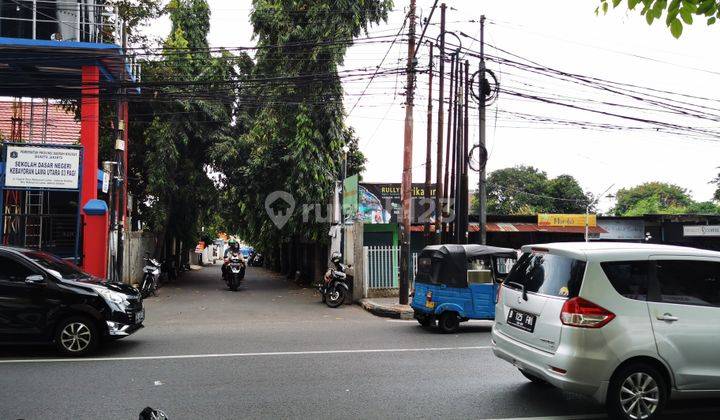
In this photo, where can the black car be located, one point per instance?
(45, 299)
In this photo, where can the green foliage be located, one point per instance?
(527, 190)
(716, 181)
(170, 163)
(137, 14)
(704, 207)
(294, 128)
(677, 12)
(660, 198)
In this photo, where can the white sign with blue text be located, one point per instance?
(42, 167)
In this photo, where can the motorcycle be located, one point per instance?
(234, 271)
(256, 259)
(151, 273)
(335, 287)
(169, 270)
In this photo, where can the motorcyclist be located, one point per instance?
(233, 248)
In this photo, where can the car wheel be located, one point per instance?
(636, 392)
(535, 379)
(449, 322)
(77, 336)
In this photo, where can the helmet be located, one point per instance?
(232, 243)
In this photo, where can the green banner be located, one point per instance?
(350, 197)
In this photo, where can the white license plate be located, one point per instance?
(140, 316)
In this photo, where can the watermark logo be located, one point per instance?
(280, 214)
(281, 205)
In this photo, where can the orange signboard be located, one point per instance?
(567, 220)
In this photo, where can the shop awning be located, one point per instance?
(523, 228)
(532, 227)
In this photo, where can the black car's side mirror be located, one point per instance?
(35, 279)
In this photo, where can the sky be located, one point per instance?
(562, 34)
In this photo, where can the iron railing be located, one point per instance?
(61, 20)
(382, 267)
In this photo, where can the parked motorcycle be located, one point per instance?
(335, 288)
(151, 274)
(234, 272)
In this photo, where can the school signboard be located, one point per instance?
(28, 166)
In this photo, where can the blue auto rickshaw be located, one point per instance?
(455, 283)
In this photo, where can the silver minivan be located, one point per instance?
(632, 325)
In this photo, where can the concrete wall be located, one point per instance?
(136, 245)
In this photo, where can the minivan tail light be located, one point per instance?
(578, 312)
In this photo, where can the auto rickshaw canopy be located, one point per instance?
(448, 264)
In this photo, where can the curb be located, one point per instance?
(387, 311)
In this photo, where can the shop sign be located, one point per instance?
(701, 230)
(382, 203)
(567, 220)
(628, 230)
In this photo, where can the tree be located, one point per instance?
(677, 12)
(704, 207)
(651, 197)
(295, 138)
(716, 181)
(527, 190)
(190, 111)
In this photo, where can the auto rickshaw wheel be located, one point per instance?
(425, 320)
(449, 322)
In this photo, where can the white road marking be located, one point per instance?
(258, 354)
(574, 417)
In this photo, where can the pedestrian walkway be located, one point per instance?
(387, 307)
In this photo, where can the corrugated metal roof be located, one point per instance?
(522, 227)
(61, 124)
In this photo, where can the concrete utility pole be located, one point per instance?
(441, 118)
(407, 164)
(453, 165)
(448, 145)
(482, 191)
(428, 152)
(464, 183)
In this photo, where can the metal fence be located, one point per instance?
(61, 20)
(382, 266)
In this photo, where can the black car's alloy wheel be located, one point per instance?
(77, 336)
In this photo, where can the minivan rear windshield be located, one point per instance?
(547, 274)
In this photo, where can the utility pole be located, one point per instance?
(428, 152)
(464, 184)
(121, 167)
(454, 173)
(407, 164)
(482, 191)
(441, 117)
(448, 145)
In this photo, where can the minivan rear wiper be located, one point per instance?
(521, 287)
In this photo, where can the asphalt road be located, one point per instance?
(272, 350)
